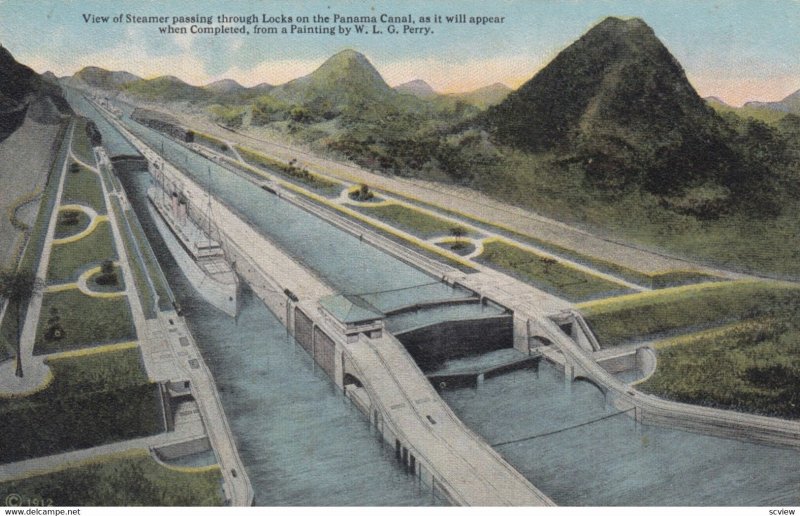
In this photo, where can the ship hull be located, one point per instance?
(222, 294)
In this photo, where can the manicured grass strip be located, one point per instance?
(751, 366)
(547, 274)
(86, 321)
(68, 226)
(657, 313)
(408, 219)
(83, 187)
(81, 145)
(648, 280)
(36, 238)
(130, 478)
(428, 250)
(292, 173)
(92, 400)
(152, 268)
(67, 261)
(143, 289)
(213, 143)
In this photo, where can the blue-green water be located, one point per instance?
(301, 441)
(303, 444)
(613, 461)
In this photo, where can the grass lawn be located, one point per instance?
(65, 229)
(67, 261)
(93, 399)
(30, 258)
(752, 366)
(293, 174)
(682, 309)
(118, 286)
(650, 280)
(125, 479)
(408, 219)
(81, 145)
(8, 333)
(214, 144)
(87, 321)
(141, 270)
(84, 187)
(553, 277)
(460, 248)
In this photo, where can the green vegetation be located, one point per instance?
(750, 367)
(291, 172)
(460, 248)
(71, 222)
(648, 280)
(128, 479)
(546, 273)
(411, 220)
(213, 144)
(86, 321)
(762, 114)
(229, 116)
(92, 400)
(647, 315)
(83, 187)
(30, 258)
(67, 261)
(150, 267)
(166, 89)
(81, 144)
(108, 279)
(432, 252)
(17, 288)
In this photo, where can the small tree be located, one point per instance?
(548, 262)
(458, 232)
(17, 288)
(107, 276)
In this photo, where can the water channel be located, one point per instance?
(303, 444)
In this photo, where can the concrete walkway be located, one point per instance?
(51, 463)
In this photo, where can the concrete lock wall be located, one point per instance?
(432, 345)
(304, 331)
(126, 164)
(620, 363)
(325, 352)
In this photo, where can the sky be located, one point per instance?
(738, 50)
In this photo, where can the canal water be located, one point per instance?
(296, 431)
(301, 441)
(578, 451)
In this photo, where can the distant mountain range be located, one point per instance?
(790, 104)
(418, 88)
(346, 78)
(94, 77)
(482, 97)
